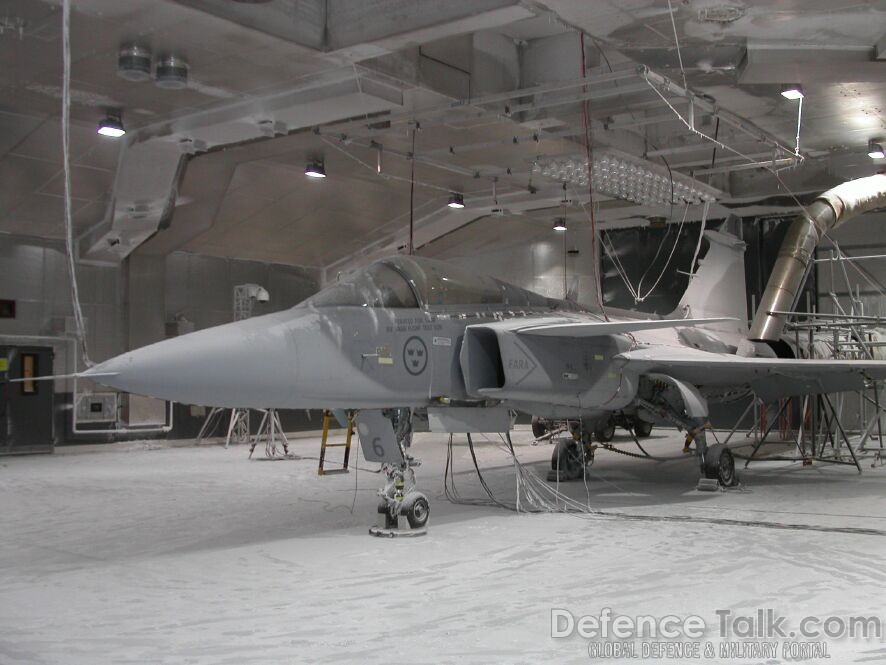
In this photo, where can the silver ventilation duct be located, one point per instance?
(828, 211)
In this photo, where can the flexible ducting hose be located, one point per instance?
(833, 208)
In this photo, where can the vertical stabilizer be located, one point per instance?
(717, 288)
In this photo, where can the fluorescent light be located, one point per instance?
(792, 92)
(560, 224)
(111, 126)
(875, 150)
(456, 200)
(315, 170)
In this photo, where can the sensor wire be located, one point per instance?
(79, 323)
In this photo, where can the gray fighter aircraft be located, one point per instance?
(412, 335)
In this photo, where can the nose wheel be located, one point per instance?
(400, 504)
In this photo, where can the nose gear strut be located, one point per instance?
(399, 499)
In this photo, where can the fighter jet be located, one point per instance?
(410, 335)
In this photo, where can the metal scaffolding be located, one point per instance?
(245, 298)
(833, 428)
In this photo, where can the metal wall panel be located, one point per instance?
(33, 272)
(200, 288)
(145, 300)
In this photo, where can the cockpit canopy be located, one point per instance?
(413, 282)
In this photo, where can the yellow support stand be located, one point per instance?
(327, 421)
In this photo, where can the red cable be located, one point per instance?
(598, 287)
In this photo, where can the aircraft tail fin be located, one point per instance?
(717, 289)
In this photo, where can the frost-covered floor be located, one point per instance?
(198, 555)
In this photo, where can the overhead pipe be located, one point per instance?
(833, 208)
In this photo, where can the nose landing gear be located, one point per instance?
(399, 500)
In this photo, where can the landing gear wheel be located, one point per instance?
(417, 514)
(538, 427)
(719, 464)
(567, 460)
(605, 433)
(642, 428)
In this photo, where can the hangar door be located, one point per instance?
(25, 407)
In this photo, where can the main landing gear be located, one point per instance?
(719, 465)
(716, 462)
(573, 456)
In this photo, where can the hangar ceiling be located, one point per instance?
(267, 209)
(242, 192)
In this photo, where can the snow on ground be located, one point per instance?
(199, 555)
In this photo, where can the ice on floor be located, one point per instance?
(199, 555)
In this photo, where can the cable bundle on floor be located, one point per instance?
(533, 495)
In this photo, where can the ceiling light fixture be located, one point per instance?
(171, 72)
(112, 126)
(134, 62)
(624, 176)
(315, 169)
(875, 150)
(794, 91)
(560, 224)
(456, 200)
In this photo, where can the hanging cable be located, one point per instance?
(642, 296)
(723, 146)
(799, 120)
(716, 138)
(654, 260)
(619, 267)
(661, 244)
(374, 168)
(412, 194)
(610, 252)
(586, 120)
(677, 42)
(79, 323)
(609, 248)
(704, 220)
(450, 490)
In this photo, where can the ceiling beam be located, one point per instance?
(154, 157)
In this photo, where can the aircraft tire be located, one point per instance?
(719, 464)
(642, 428)
(538, 427)
(605, 433)
(418, 512)
(567, 460)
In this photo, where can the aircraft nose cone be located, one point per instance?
(245, 364)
